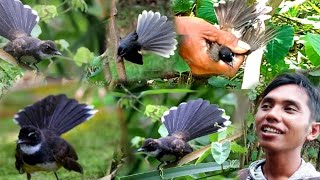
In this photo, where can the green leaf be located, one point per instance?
(182, 6)
(83, 55)
(312, 152)
(180, 171)
(214, 137)
(164, 91)
(279, 47)
(46, 12)
(203, 156)
(181, 66)
(218, 82)
(136, 141)
(222, 135)
(155, 112)
(220, 151)
(236, 148)
(312, 48)
(254, 155)
(163, 131)
(205, 11)
(63, 43)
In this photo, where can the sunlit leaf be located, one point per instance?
(155, 112)
(220, 151)
(36, 31)
(279, 47)
(83, 55)
(312, 47)
(236, 148)
(79, 4)
(46, 12)
(314, 73)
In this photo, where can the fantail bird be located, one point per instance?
(245, 22)
(16, 23)
(188, 121)
(39, 145)
(154, 33)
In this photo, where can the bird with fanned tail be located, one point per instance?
(39, 145)
(16, 23)
(186, 122)
(154, 33)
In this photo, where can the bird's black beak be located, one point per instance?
(141, 150)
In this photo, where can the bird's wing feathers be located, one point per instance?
(65, 155)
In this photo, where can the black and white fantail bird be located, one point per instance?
(245, 22)
(154, 33)
(16, 23)
(188, 121)
(39, 145)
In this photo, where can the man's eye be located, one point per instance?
(290, 109)
(265, 106)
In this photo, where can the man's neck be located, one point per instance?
(281, 165)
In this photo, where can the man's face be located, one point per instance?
(282, 120)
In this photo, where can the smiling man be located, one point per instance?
(288, 115)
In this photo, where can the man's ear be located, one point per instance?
(314, 131)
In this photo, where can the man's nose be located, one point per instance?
(274, 114)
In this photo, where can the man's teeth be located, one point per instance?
(268, 129)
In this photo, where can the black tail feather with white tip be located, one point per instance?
(194, 119)
(156, 33)
(246, 21)
(16, 19)
(57, 113)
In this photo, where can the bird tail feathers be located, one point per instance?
(156, 34)
(55, 112)
(16, 19)
(194, 119)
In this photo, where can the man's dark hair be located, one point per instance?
(303, 82)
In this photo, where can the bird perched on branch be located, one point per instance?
(16, 23)
(154, 33)
(39, 145)
(245, 22)
(188, 121)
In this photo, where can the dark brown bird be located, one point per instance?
(16, 23)
(188, 121)
(245, 22)
(39, 145)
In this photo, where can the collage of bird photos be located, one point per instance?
(159, 89)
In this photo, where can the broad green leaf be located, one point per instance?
(214, 137)
(182, 6)
(254, 155)
(218, 82)
(83, 55)
(163, 131)
(312, 47)
(220, 151)
(203, 156)
(180, 171)
(279, 47)
(236, 148)
(46, 12)
(181, 66)
(205, 11)
(164, 91)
